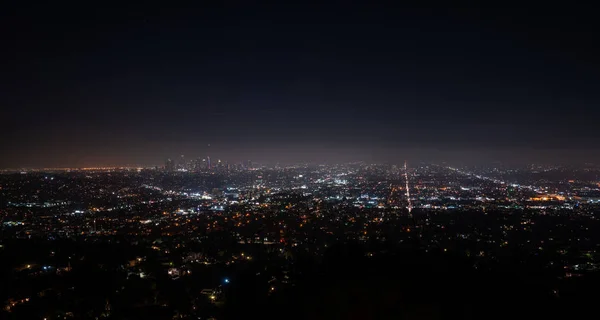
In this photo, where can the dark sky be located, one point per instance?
(84, 85)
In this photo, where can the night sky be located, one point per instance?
(87, 86)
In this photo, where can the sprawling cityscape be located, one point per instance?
(301, 160)
(201, 240)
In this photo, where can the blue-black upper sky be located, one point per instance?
(84, 85)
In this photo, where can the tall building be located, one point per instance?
(198, 165)
(208, 161)
(182, 164)
(169, 165)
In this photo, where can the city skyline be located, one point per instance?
(333, 160)
(509, 156)
(314, 83)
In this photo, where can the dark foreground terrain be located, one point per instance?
(351, 281)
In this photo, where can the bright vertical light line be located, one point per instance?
(409, 203)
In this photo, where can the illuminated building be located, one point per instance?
(169, 165)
